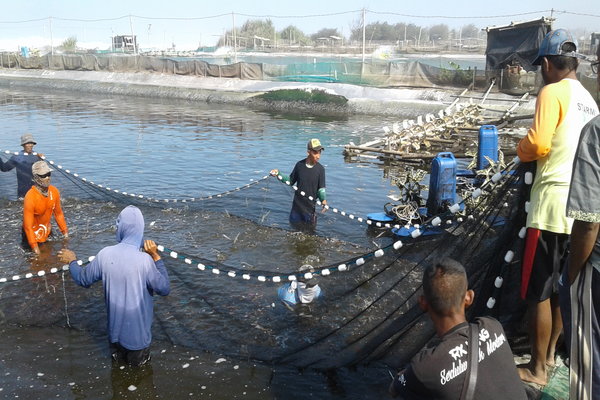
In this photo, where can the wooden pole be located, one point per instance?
(362, 65)
(135, 51)
(487, 92)
(413, 156)
(51, 39)
(234, 38)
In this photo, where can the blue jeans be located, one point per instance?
(303, 221)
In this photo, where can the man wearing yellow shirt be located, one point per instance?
(563, 107)
(579, 288)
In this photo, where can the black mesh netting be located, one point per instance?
(246, 250)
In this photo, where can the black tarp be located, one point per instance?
(515, 43)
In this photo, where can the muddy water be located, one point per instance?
(53, 332)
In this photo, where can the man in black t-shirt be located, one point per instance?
(439, 370)
(309, 176)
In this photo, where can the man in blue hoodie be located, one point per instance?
(23, 162)
(130, 278)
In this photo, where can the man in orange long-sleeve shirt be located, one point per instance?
(563, 107)
(41, 202)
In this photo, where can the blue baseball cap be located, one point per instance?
(553, 43)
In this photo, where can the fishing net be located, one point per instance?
(228, 253)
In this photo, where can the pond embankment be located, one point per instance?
(360, 99)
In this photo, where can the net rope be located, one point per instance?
(228, 305)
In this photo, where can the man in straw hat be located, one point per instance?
(22, 162)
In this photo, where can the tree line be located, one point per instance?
(262, 32)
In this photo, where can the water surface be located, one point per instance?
(172, 149)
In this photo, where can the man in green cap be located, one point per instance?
(309, 176)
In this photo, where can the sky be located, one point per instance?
(192, 23)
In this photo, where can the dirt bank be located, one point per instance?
(361, 100)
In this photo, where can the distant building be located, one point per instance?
(125, 43)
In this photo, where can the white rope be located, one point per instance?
(510, 254)
(141, 196)
(30, 275)
(66, 304)
(248, 276)
(434, 220)
(326, 271)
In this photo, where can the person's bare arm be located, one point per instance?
(583, 239)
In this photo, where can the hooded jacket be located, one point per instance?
(130, 278)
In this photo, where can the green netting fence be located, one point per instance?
(374, 73)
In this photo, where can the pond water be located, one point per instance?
(173, 149)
